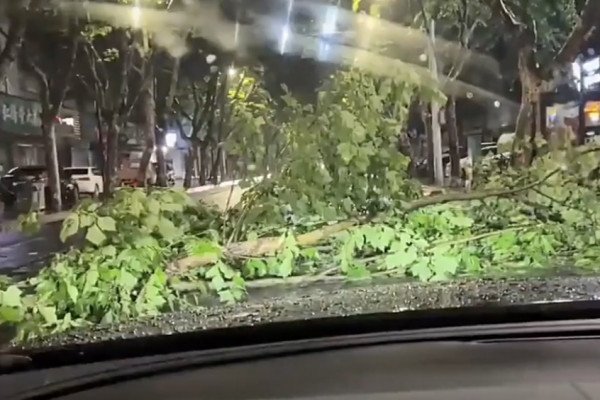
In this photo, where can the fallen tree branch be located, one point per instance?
(452, 197)
(261, 247)
(269, 246)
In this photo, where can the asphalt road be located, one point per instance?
(23, 255)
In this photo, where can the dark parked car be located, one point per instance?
(18, 186)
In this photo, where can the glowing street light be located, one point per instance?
(171, 139)
(497, 104)
(232, 71)
(136, 16)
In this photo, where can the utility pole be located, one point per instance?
(438, 168)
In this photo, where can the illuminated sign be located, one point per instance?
(18, 115)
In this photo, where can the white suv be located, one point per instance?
(89, 179)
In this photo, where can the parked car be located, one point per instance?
(488, 149)
(20, 183)
(89, 179)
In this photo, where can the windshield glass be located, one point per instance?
(75, 171)
(27, 171)
(292, 159)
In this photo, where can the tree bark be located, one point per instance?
(49, 135)
(204, 162)
(147, 105)
(165, 92)
(190, 158)
(217, 155)
(429, 135)
(523, 129)
(111, 156)
(453, 142)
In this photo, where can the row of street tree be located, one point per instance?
(128, 73)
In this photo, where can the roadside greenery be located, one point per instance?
(338, 204)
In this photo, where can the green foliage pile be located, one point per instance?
(119, 272)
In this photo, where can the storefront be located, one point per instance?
(21, 141)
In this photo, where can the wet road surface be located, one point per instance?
(21, 254)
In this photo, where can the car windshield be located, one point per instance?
(270, 160)
(75, 171)
(27, 171)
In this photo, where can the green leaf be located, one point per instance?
(213, 272)
(227, 296)
(218, 283)
(226, 271)
(107, 224)
(421, 270)
(109, 251)
(49, 314)
(171, 207)
(202, 248)
(86, 220)
(126, 280)
(358, 272)
(401, 259)
(256, 268)
(95, 235)
(11, 297)
(167, 229)
(72, 292)
(444, 266)
(286, 265)
(70, 227)
(91, 278)
(10, 314)
(153, 206)
(346, 151)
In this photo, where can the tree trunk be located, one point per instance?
(217, 154)
(216, 166)
(49, 135)
(148, 112)
(110, 172)
(429, 135)
(204, 162)
(190, 157)
(161, 164)
(522, 146)
(165, 91)
(453, 142)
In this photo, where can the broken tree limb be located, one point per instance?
(452, 197)
(269, 246)
(261, 247)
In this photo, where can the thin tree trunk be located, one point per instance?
(204, 162)
(429, 135)
(161, 166)
(217, 155)
(522, 145)
(111, 156)
(453, 142)
(165, 92)
(49, 135)
(189, 166)
(149, 123)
